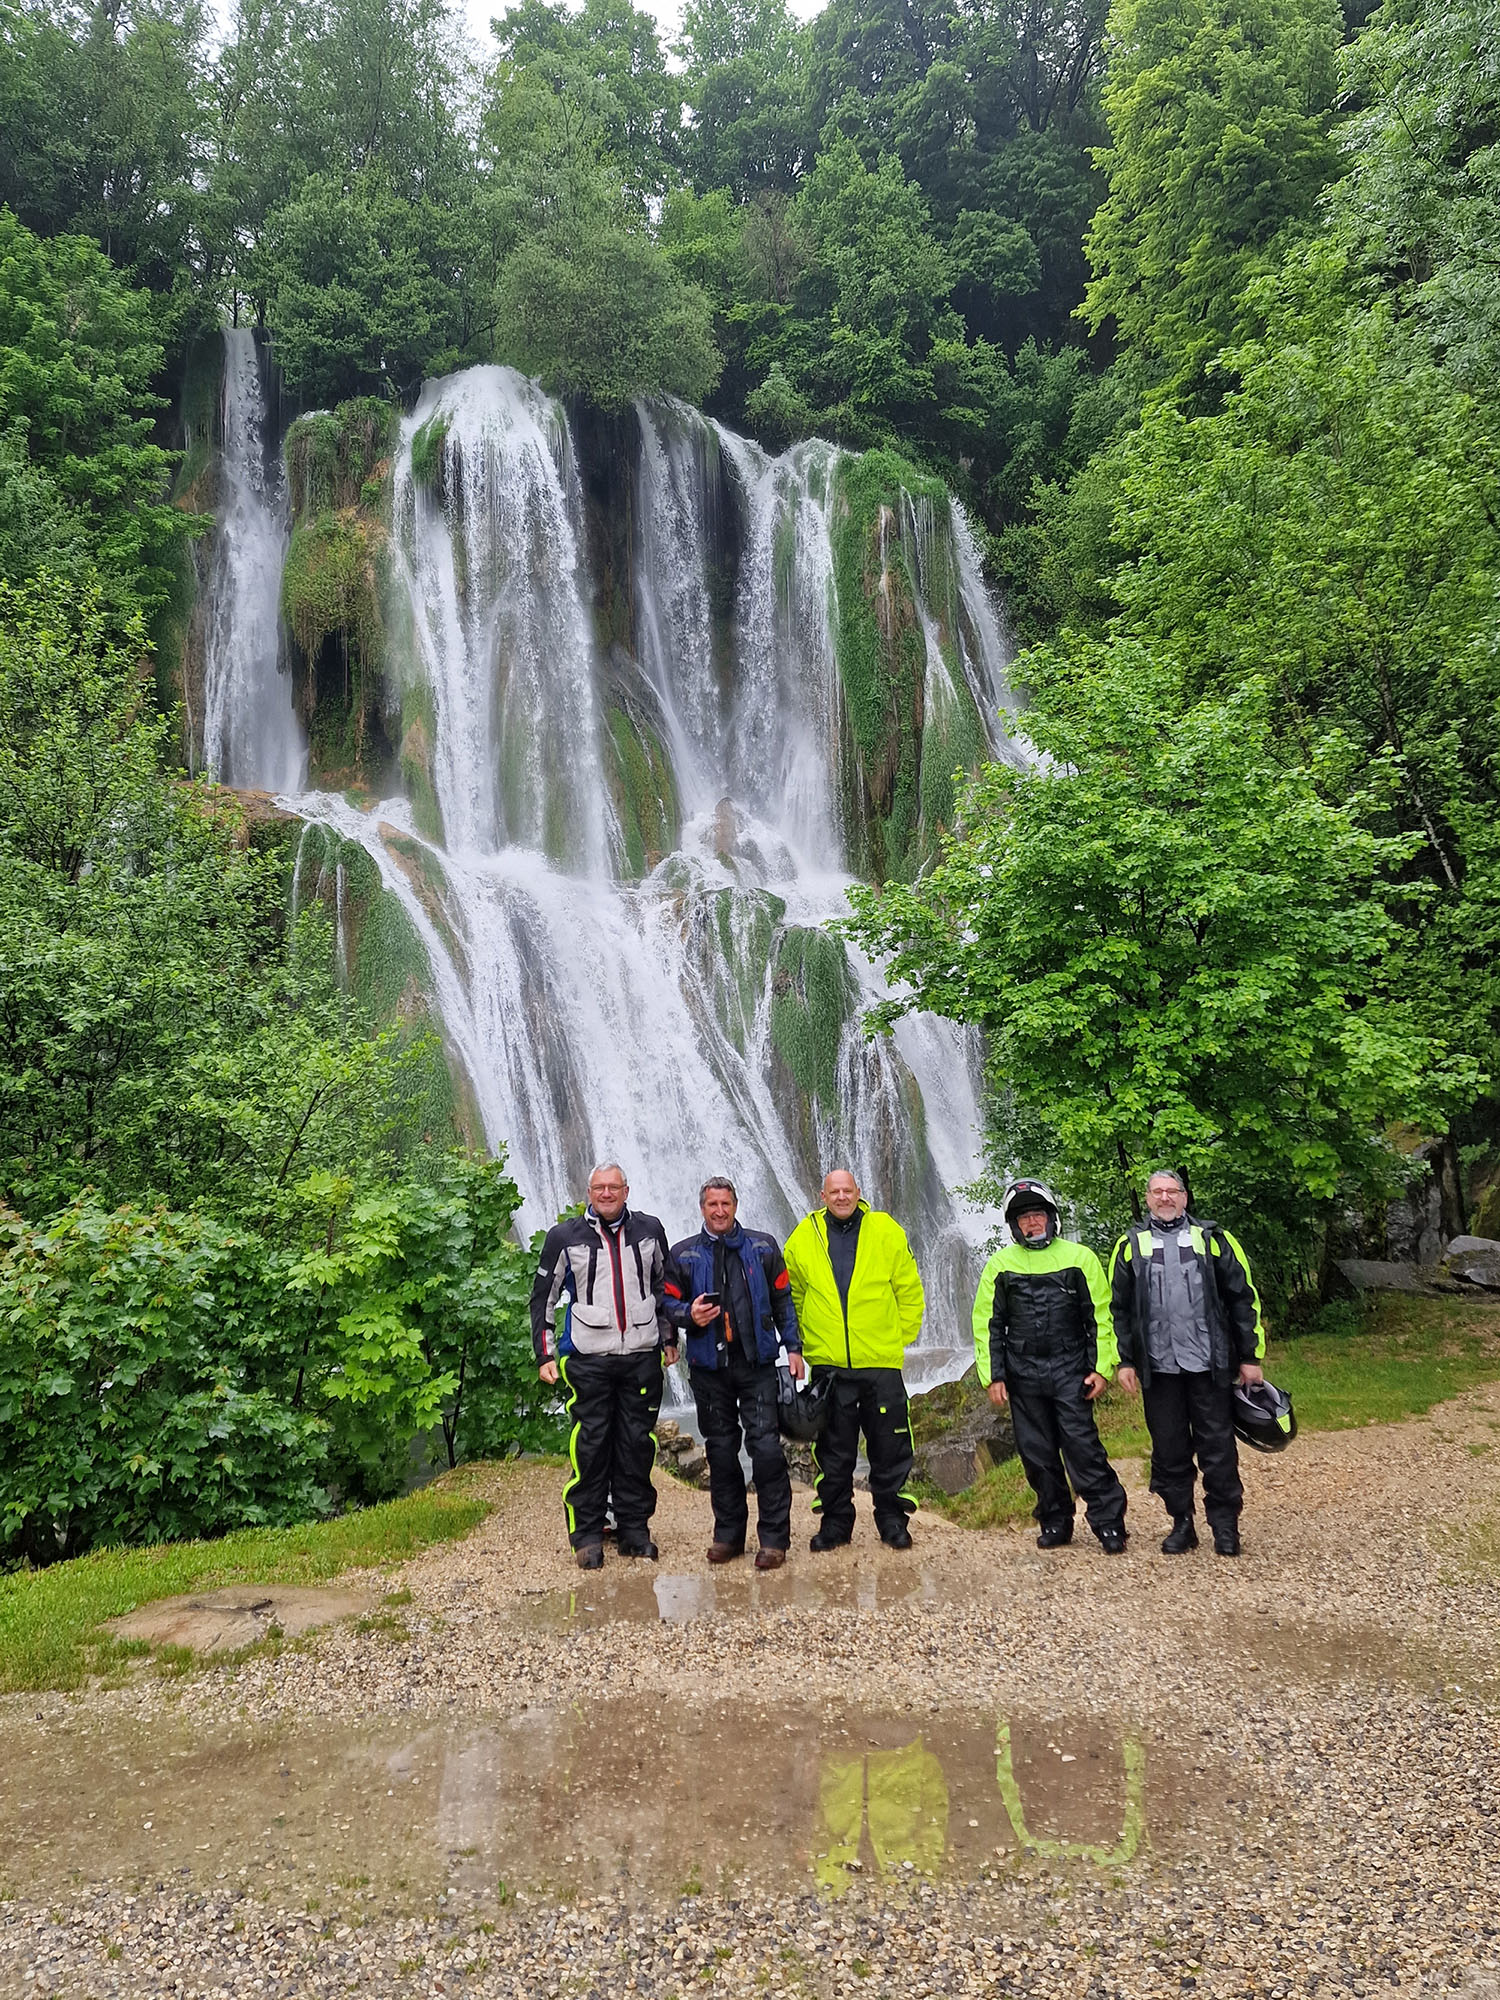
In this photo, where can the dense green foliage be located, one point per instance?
(164, 1374)
(246, 1276)
(1246, 919)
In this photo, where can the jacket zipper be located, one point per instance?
(844, 1303)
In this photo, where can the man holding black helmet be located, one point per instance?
(732, 1284)
(1043, 1343)
(1187, 1320)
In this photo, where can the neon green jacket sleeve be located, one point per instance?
(984, 1302)
(1104, 1324)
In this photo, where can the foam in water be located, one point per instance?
(599, 1017)
(251, 735)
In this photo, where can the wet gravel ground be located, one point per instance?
(1319, 1722)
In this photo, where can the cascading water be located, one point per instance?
(250, 732)
(697, 1018)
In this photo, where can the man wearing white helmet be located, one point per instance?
(1044, 1342)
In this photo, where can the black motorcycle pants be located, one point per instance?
(740, 1396)
(1193, 1416)
(1058, 1441)
(872, 1400)
(613, 1400)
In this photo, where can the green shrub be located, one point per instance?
(132, 1401)
(164, 1376)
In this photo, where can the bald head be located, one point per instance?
(840, 1193)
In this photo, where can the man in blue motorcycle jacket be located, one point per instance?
(730, 1285)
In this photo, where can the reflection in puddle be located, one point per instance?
(637, 1599)
(584, 1798)
(896, 1804)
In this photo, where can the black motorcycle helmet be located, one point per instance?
(801, 1407)
(1263, 1416)
(1024, 1194)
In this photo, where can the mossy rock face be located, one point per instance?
(643, 789)
(383, 964)
(897, 787)
(342, 457)
(195, 484)
(813, 998)
(418, 730)
(330, 587)
(743, 925)
(332, 591)
(427, 451)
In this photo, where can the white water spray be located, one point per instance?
(251, 735)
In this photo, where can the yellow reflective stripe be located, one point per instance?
(1131, 1831)
(562, 1369)
(1195, 1237)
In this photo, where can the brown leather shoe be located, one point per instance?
(725, 1552)
(769, 1558)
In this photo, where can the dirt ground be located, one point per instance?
(973, 1768)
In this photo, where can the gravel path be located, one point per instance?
(973, 1769)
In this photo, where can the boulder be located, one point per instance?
(1473, 1261)
(1370, 1274)
(958, 1457)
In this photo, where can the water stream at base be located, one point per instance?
(598, 1016)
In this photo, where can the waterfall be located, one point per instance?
(641, 843)
(488, 552)
(250, 731)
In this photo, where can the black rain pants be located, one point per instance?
(1188, 1416)
(872, 1400)
(740, 1395)
(1058, 1440)
(612, 1404)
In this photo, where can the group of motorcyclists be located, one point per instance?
(1176, 1319)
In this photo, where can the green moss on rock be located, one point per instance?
(330, 584)
(334, 456)
(813, 997)
(897, 787)
(644, 791)
(418, 733)
(745, 923)
(427, 450)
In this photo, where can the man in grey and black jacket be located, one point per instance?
(1187, 1322)
(604, 1272)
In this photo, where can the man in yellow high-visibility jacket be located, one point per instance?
(859, 1304)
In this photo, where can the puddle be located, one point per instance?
(600, 1794)
(220, 1621)
(738, 1590)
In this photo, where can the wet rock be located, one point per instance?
(960, 1434)
(954, 1463)
(1473, 1261)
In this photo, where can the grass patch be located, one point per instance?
(49, 1618)
(1376, 1365)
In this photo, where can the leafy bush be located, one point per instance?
(164, 1375)
(132, 1404)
